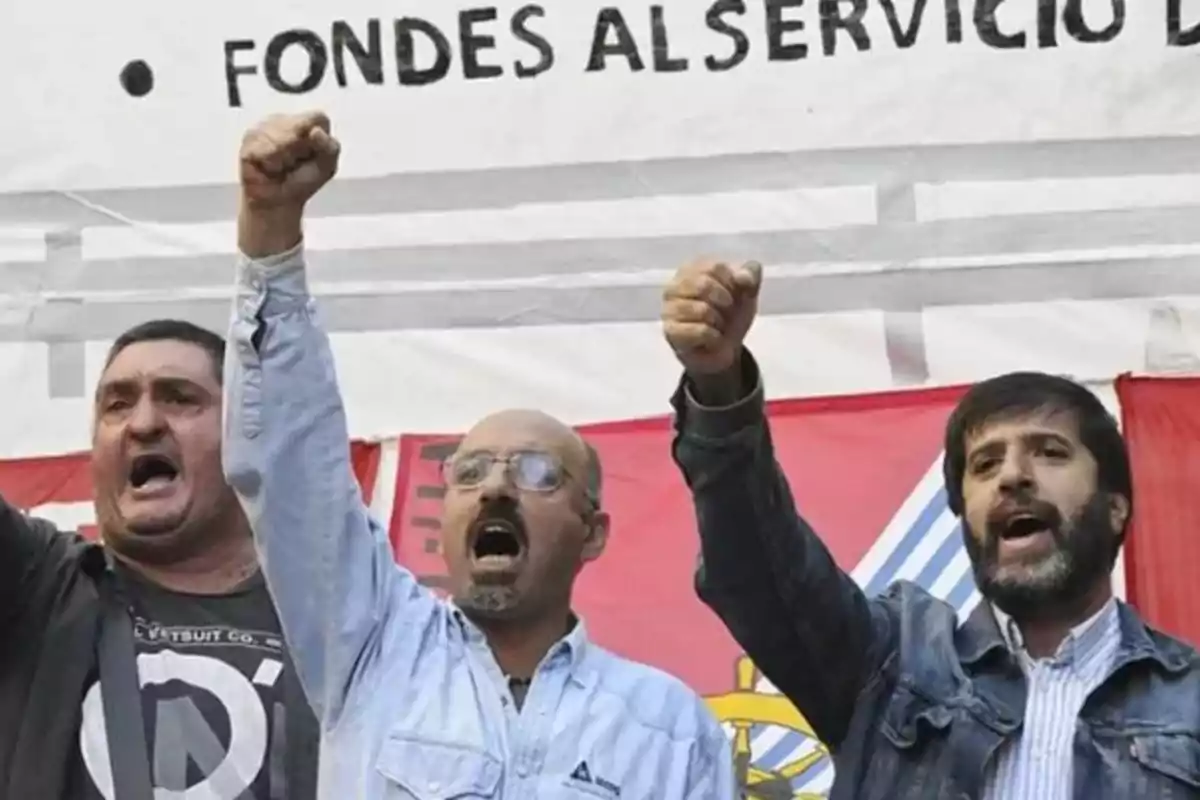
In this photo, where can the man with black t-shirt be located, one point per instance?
(223, 714)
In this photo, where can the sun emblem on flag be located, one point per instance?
(744, 711)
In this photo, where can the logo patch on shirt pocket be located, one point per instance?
(586, 780)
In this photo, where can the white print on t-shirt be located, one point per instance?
(183, 734)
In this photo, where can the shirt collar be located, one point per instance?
(1080, 640)
(573, 645)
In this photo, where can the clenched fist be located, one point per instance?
(285, 159)
(708, 308)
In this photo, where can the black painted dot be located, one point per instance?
(137, 79)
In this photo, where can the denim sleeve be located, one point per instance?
(803, 621)
(347, 609)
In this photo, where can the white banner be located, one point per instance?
(941, 190)
(130, 93)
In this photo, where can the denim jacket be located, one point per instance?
(912, 705)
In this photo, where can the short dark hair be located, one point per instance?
(1026, 392)
(172, 330)
(594, 480)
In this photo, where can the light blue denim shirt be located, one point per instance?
(412, 704)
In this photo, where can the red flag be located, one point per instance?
(364, 457)
(851, 461)
(1161, 420)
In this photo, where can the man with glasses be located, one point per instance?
(497, 693)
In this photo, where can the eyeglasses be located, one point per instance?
(528, 470)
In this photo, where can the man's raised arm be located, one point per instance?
(328, 564)
(803, 621)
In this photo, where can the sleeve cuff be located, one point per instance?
(277, 283)
(711, 422)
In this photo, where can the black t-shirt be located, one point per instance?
(213, 693)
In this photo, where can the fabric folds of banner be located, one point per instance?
(1161, 419)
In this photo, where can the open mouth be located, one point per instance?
(1023, 525)
(152, 471)
(497, 543)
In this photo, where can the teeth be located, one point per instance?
(496, 561)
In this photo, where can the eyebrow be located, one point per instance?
(133, 386)
(1040, 435)
(527, 447)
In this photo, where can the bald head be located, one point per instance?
(521, 517)
(534, 422)
(528, 428)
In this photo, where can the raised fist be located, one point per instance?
(285, 159)
(708, 308)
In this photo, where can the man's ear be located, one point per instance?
(1118, 512)
(597, 535)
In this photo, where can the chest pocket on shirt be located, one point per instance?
(914, 749)
(426, 770)
(910, 720)
(1170, 765)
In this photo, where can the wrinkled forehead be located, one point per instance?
(143, 363)
(511, 433)
(1024, 425)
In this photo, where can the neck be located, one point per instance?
(218, 569)
(1044, 635)
(520, 647)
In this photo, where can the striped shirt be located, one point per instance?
(1039, 763)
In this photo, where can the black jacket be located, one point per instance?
(49, 615)
(49, 629)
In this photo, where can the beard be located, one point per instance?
(1085, 549)
(490, 602)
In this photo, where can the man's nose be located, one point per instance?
(498, 482)
(1016, 474)
(146, 420)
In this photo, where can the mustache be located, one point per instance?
(1002, 515)
(500, 508)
